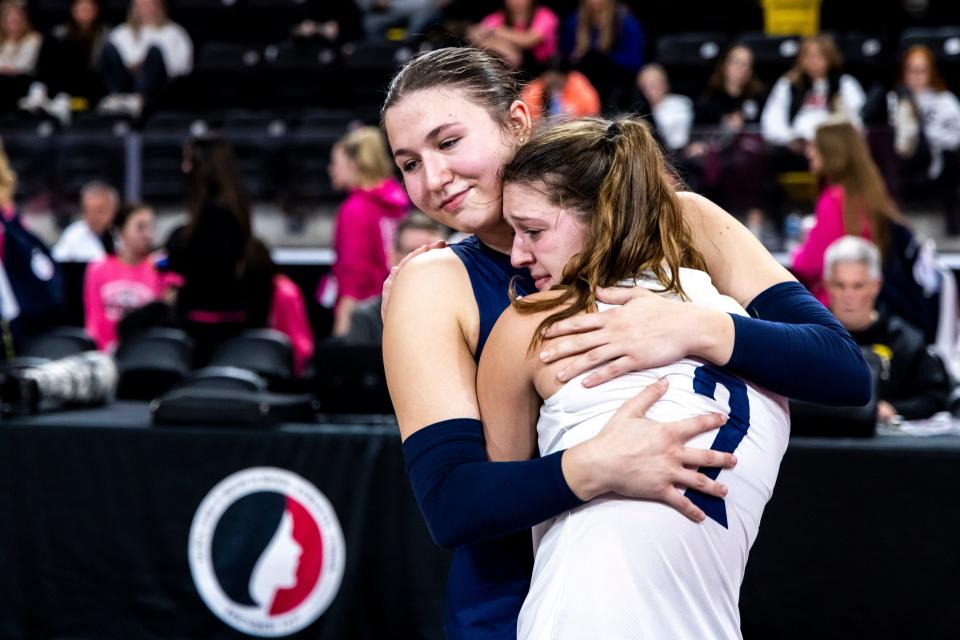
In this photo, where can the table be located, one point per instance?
(860, 539)
(96, 508)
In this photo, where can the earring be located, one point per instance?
(522, 138)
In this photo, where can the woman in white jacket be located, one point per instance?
(804, 96)
(141, 56)
(925, 116)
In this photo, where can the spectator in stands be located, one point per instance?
(732, 162)
(415, 16)
(366, 221)
(414, 231)
(801, 99)
(561, 92)
(120, 283)
(35, 279)
(90, 238)
(855, 202)
(734, 96)
(327, 23)
(672, 114)
(913, 381)
(522, 32)
(228, 284)
(925, 116)
(142, 56)
(606, 43)
(68, 61)
(19, 49)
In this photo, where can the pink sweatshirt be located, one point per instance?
(111, 288)
(288, 315)
(365, 228)
(808, 257)
(544, 22)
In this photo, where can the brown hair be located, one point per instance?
(484, 77)
(525, 21)
(134, 21)
(846, 161)
(214, 180)
(937, 82)
(828, 47)
(717, 84)
(586, 19)
(368, 151)
(614, 176)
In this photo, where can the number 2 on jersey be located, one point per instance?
(705, 381)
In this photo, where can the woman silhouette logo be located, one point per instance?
(266, 552)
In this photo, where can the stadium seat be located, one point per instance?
(266, 352)
(231, 378)
(88, 155)
(163, 138)
(228, 57)
(58, 343)
(943, 41)
(772, 55)
(689, 59)
(868, 57)
(350, 379)
(378, 57)
(152, 362)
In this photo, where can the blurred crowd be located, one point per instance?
(738, 140)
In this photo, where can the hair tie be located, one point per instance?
(613, 130)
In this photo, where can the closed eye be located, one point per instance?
(449, 143)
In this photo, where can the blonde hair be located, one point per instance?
(606, 20)
(8, 179)
(614, 176)
(368, 151)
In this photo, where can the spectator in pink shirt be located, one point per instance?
(523, 32)
(366, 221)
(854, 201)
(123, 282)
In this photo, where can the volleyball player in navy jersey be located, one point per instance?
(453, 121)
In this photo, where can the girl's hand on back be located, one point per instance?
(636, 457)
(646, 331)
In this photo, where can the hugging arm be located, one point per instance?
(632, 456)
(792, 345)
(464, 497)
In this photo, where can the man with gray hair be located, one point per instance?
(89, 238)
(913, 381)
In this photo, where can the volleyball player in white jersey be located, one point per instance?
(591, 204)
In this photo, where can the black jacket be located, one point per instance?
(912, 377)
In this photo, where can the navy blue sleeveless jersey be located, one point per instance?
(488, 581)
(490, 276)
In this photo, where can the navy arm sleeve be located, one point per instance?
(793, 346)
(465, 498)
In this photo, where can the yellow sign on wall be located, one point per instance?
(791, 17)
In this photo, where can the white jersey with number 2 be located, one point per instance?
(628, 569)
